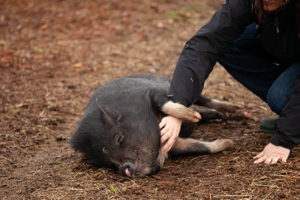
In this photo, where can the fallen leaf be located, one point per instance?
(78, 65)
(169, 183)
(263, 177)
(45, 26)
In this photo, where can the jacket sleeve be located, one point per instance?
(202, 51)
(287, 132)
(297, 2)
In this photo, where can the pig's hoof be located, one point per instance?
(196, 116)
(223, 106)
(221, 144)
(227, 143)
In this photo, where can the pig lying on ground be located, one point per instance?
(120, 126)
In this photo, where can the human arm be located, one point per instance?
(287, 133)
(203, 50)
(199, 56)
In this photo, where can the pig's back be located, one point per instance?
(134, 82)
(123, 93)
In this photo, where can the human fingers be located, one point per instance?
(168, 145)
(165, 136)
(166, 133)
(268, 160)
(284, 159)
(162, 123)
(164, 130)
(259, 155)
(260, 160)
(274, 160)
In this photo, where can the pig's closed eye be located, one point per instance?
(119, 138)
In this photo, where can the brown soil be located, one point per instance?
(54, 54)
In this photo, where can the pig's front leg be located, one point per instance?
(180, 111)
(159, 99)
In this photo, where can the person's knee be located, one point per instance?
(279, 93)
(277, 98)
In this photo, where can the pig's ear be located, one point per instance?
(111, 119)
(108, 115)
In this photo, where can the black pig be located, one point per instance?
(120, 126)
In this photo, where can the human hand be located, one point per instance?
(272, 154)
(170, 128)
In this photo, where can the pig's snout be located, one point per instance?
(128, 169)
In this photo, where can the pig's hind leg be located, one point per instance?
(229, 110)
(190, 146)
(218, 105)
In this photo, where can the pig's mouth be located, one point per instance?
(133, 170)
(127, 172)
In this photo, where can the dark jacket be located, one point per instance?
(209, 44)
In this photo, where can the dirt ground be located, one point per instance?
(54, 54)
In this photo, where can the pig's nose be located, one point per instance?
(128, 168)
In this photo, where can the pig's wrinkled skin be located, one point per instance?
(120, 126)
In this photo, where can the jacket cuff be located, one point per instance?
(175, 99)
(279, 140)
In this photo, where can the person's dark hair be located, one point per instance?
(260, 13)
(297, 3)
(259, 10)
